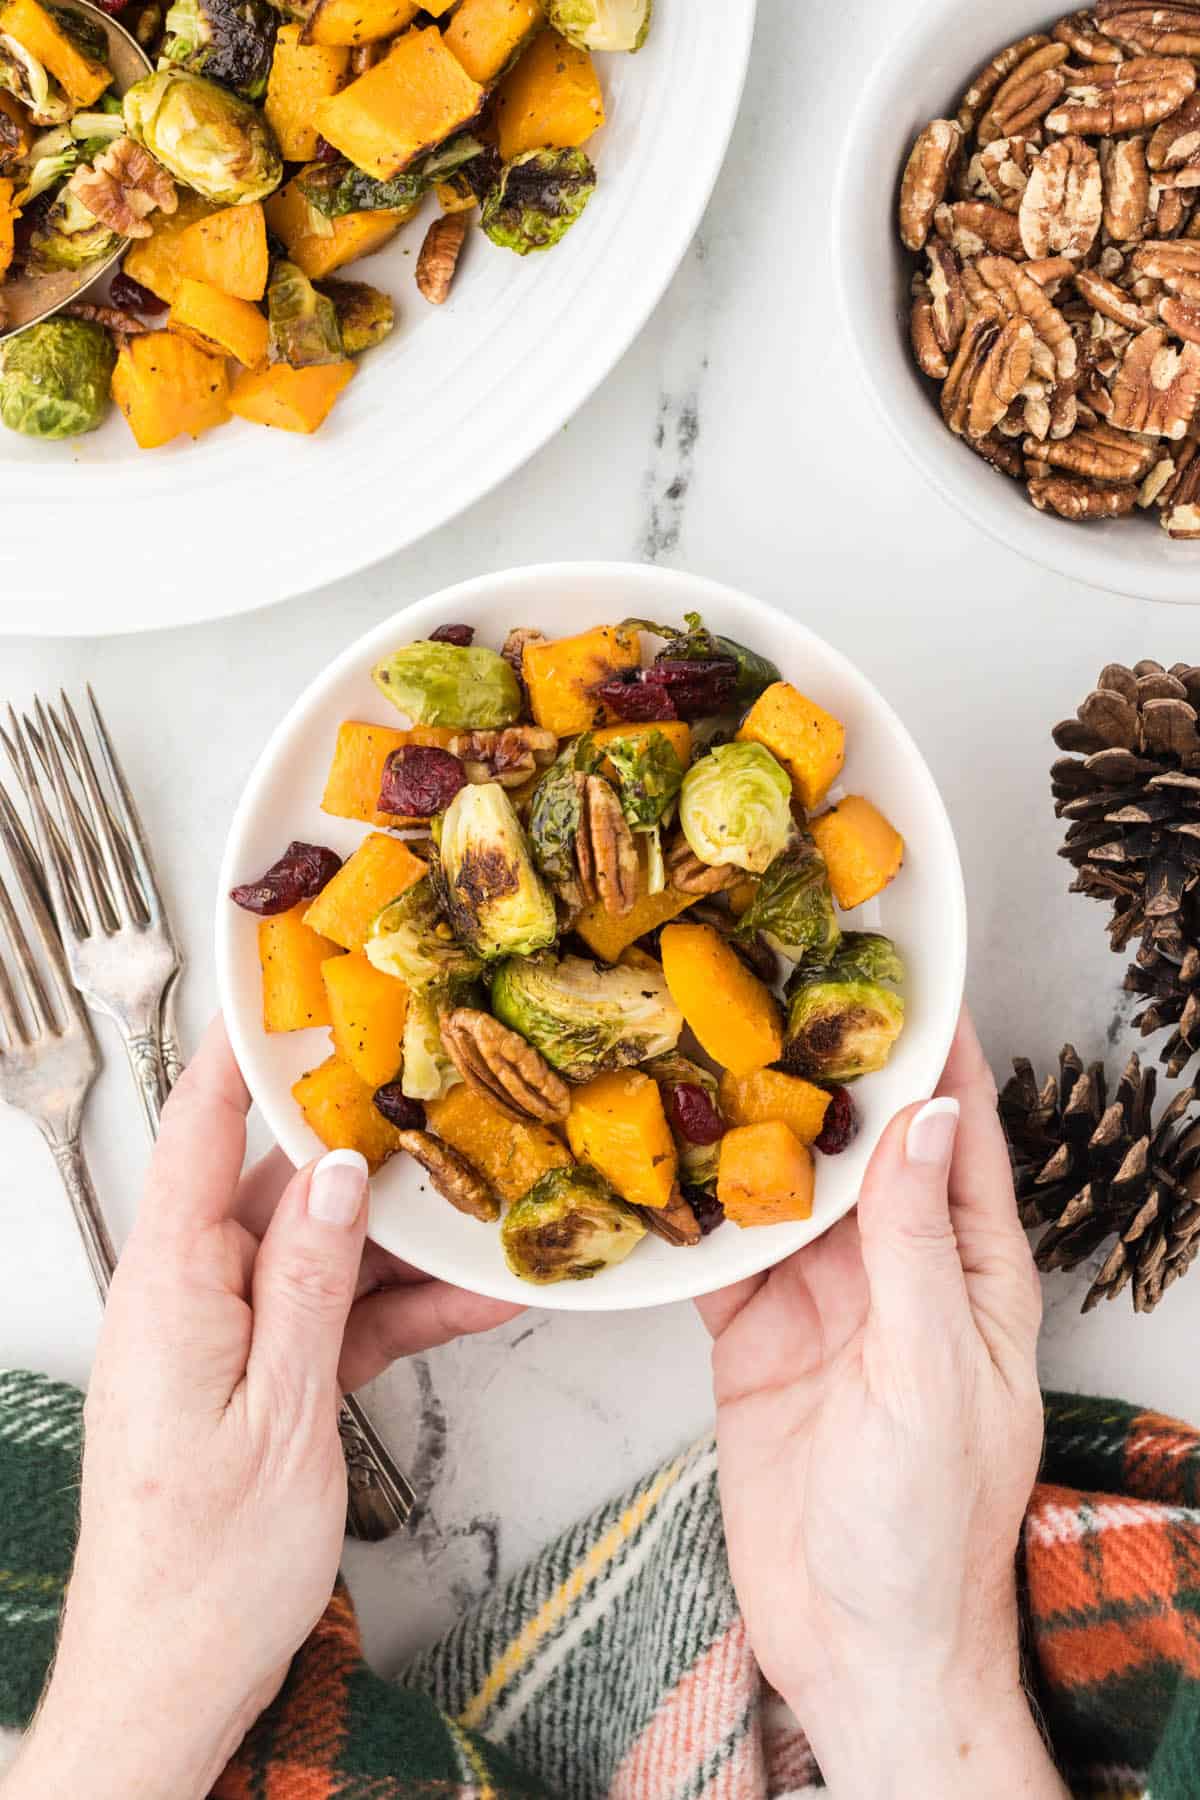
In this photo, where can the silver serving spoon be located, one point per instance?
(30, 298)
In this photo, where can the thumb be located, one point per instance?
(305, 1276)
(909, 1249)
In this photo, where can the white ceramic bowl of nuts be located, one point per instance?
(1048, 258)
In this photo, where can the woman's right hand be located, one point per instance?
(879, 1428)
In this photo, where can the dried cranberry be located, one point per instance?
(420, 780)
(707, 1208)
(697, 688)
(462, 635)
(694, 1115)
(325, 151)
(634, 702)
(130, 295)
(841, 1123)
(398, 1109)
(300, 874)
(112, 6)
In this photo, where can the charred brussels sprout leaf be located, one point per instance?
(555, 812)
(794, 906)
(303, 325)
(496, 901)
(735, 806)
(68, 236)
(602, 24)
(427, 1071)
(412, 940)
(22, 75)
(841, 1020)
(700, 1155)
(364, 313)
(755, 673)
(450, 684)
(55, 378)
(207, 137)
(649, 777)
(538, 198)
(569, 1227)
(336, 188)
(585, 1018)
(230, 41)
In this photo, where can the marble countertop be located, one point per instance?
(734, 440)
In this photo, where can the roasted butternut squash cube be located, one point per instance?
(228, 249)
(154, 260)
(406, 104)
(356, 773)
(341, 1109)
(167, 388)
(380, 870)
(9, 214)
(219, 323)
(769, 1094)
(38, 31)
(486, 35)
(765, 1176)
(290, 399)
(292, 956)
(808, 741)
(677, 734)
(733, 1014)
(302, 73)
(862, 851)
(349, 22)
(551, 100)
(617, 1124)
(318, 245)
(608, 935)
(509, 1154)
(562, 675)
(367, 1010)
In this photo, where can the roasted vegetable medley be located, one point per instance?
(276, 142)
(590, 962)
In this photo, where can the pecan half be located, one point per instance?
(1181, 317)
(946, 295)
(1063, 201)
(1074, 499)
(931, 358)
(1023, 297)
(926, 178)
(1104, 99)
(508, 756)
(1150, 30)
(123, 186)
(1026, 96)
(1079, 34)
(973, 226)
(971, 106)
(604, 849)
(1180, 515)
(1176, 142)
(1126, 188)
(112, 318)
(1002, 453)
(1110, 300)
(1098, 452)
(501, 1066)
(1176, 265)
(675, 1222)
(439, 254)
(1172, 209)
(1050, 272)
(689, 875)
(991, 368)
(1157, 386)
(455, 1179)
(999, 172)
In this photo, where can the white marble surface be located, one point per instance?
(732, 440)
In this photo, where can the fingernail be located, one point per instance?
(930, 1136)
(338, 1187)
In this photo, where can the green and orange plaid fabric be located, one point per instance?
(616, 1666)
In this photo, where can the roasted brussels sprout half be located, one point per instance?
(207, 137)
(841, 1020)
(555, 812)
(336, 188)
(735, 806)
(427, 1071)
(494, 896)
(538, 198)
(585, 1017)
(22, 75)
(678, 1078)
(754, 674)
(302, 325)
(569, 1226)
(602, 24)
(67, 236)
(364, 313)
(793, 906)
(230, 41)
(450, 684)
(55, 378)
(412, 940)
(52, 157)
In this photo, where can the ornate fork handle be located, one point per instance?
(146, 1066)
(72, 1166)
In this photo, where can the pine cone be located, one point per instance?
(1091, 1171)
(1133, 803)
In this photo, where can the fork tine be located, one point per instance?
(119, 882)
(35, 995)
(82, 825)
(27, 847)
(126, 853)
(21, 856)
(136, 838)
(10, 1014)
(56, 867)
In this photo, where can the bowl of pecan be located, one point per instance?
(609, 914)
(1035, 341)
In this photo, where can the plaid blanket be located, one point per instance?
(616, 1664)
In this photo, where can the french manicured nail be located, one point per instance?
(930, 1136)
(338, 1187)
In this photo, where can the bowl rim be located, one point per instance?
(1072, 550)
(690, 592)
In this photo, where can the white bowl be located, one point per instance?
(923, 909)
(921, 75)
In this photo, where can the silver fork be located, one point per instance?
(98, 870)
(48, 1056)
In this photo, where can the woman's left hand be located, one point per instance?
(214, 1488)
